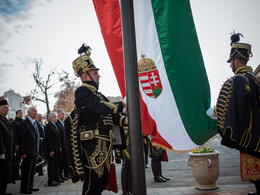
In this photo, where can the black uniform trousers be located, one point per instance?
(28, 170)
(94, 185)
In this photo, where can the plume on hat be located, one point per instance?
(84, 49)
(235, 37)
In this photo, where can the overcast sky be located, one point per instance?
(53, 30)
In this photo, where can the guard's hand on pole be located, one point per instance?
(124, 102)
(210, 112)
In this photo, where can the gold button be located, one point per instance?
(86, 135)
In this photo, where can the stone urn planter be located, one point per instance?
(205, 169)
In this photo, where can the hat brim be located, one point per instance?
(93, 69)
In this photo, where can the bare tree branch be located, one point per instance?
(42, 86)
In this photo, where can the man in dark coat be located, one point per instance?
(238, 104)
(89, 133)
(64, 167)
(28, 142)
(53, 149)
(6, 148)
(15, 125)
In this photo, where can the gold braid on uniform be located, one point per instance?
(127, 150)
(75, 146)
(91, 87)
(111, 105)
(100, 156)
(223, 104)
(108, 120)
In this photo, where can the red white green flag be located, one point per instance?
(173, 83)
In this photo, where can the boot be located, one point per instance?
(125, 182)
(156, 171)
(160, 170)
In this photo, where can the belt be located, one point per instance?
(91, 134)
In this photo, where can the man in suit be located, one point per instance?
(53, 149)
(6, 148)
(64, 167)
(29, 149)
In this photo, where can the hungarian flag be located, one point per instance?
(173, 83)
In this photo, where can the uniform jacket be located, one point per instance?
(28, 138)
(238, 112)
(93, 111)
(52, 140)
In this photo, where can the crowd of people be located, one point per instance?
(27, 145)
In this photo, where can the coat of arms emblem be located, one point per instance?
(149, 77)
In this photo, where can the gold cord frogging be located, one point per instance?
(75, 151)
(97, 151)
(248, 131)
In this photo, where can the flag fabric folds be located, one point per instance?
(173, 83)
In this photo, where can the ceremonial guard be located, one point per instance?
(158, 155)
(89, 128)
(237, 111)
(123, 153)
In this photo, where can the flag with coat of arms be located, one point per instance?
(173, 83)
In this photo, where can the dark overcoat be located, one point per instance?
(7, 148)
(52, 140)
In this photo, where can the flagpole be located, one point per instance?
(138, 183)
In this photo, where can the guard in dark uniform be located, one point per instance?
(123, 153)
(6, 148)
(158, 155)
(238, 105)
(89, 128)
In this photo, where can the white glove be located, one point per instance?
(210, 112)
(124, 100)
